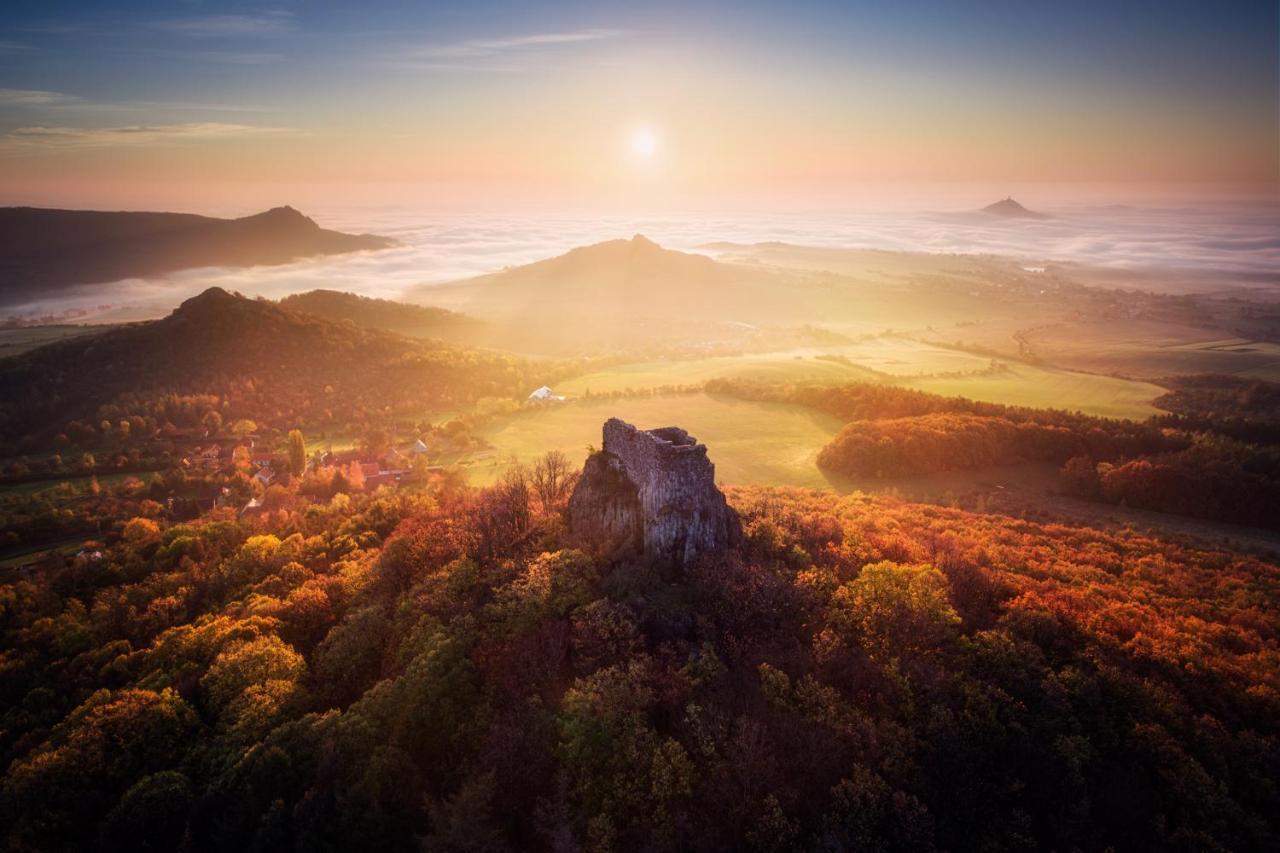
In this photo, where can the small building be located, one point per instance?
(419, 448)
(253, 507)
(544, 393)
(382, 478)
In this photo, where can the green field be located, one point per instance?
(1152, 349)
(25, 555)
(749, 442)
(1048, 388)
(18, 341)
(336, 442)
(907, 363)
(871, 360)
(790, 366)
(36, 486)
(906, 357)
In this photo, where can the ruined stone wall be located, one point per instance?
(682, 515)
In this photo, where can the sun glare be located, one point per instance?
(644, 143)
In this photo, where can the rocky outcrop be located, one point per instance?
(651, 493)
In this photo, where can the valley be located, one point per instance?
(663, 427)
(351, 504)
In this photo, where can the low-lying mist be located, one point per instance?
(1237, 239)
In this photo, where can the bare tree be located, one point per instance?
(552, 479)
(500, 516)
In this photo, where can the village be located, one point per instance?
(277, 481)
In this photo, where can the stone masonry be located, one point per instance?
(651, 493)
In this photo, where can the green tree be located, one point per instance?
(893, 609)
(102, 749)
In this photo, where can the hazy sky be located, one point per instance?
(210, 105)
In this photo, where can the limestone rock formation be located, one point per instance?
(651, 493)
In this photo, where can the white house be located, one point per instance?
(544, 393)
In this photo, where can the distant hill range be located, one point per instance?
(418, 321)
(612, 292)
(1010, 209)
(44, 250)
(225, 343)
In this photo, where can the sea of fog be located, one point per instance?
(1241, 239)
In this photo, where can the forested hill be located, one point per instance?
(431, 671)
(370, 313)
(617, 281)
(227, 344)
(43, 250)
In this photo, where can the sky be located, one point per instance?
(234, 106)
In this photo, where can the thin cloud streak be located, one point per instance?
(48, 138)
(230, 26)
(44, 100)
(473, 48)
(34, 98)
(223, 57)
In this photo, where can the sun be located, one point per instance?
(643, 143)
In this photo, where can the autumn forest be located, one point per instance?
(487, 427)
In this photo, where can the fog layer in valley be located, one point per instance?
(1237, 240)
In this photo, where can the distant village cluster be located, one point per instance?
(361, 469)
(358, 469)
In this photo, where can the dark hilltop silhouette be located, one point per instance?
(1011, 209)
(43, 250)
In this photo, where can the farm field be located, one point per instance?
(785, 366)
(910, 363)
(18, 341)
(1259, 359)
(750, 442)
(877, 358)
(21, 556)
(35, 487)
(1153, 349)
(336, 442)
(1050, 388)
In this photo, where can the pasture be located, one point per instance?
(36, 487)
(25, 339)
(749, 442)
(1050, 388)
(873, 359)
(1149, 349)
(900, 361)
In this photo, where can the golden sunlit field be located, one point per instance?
(755, 442)
(772, 443)
(897, 362)
(1028, 385)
